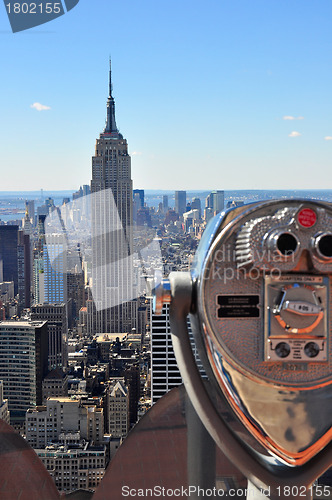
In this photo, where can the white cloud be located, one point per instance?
(294, 134)
(293, 117)
(328, 138)
(136, 153)
(39, 107)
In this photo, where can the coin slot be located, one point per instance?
(311, 349)
(282, 349)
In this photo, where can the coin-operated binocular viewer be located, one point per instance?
(259, 301)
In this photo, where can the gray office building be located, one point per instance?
(165, 203)
(57, 327)
(23, 365)
(180, 202)
(216, 201)
(8, 255)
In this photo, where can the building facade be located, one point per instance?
(62, 417)
(165, 203)
(216, 201)
(133, 382)
(165, 374)
(75, 292)
(74, 467)
(30, 209)
(180, 202)
(140, 193)
(8, 255)
(4, 413)
(57, 325)
(118, 408)
(24, 269)
(164, 371)
(23, 364)
(55, 384)
(55, 268)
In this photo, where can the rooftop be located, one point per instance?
(56, 374)
(20, 324)
(110, 337)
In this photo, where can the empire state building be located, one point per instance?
(111, 210)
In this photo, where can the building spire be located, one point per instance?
(110, 80)
(110, 127)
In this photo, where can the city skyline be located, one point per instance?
(234, 96)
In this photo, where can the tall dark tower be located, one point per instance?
(8, 254)
(111, 207)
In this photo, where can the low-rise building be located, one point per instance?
(44, 424)
(75, 466)
(55, 384)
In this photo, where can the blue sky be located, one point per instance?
(201, 89)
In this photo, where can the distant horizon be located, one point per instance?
(191, 190)
(12, 203)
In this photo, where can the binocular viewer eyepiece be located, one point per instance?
(259, 301)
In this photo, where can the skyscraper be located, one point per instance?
(30, 208)
(165, 203)
(55, 267)
(118, 408)
(180, 202)
(165, 374)
(164, 370)
(24, 269)
(23, 364)
(57, 327)
(111, 209)
(8, 254)
(140, 193)
(215, 200)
